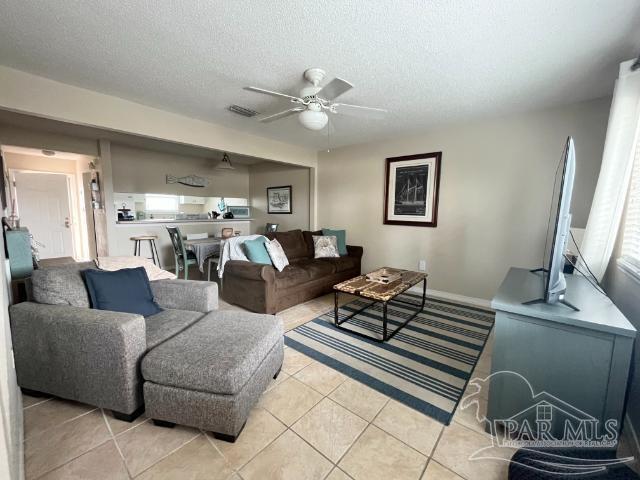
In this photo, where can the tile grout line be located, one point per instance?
(484, 434)
(259, 451)
(169, 454)
(335, 464)
(226, 460)
(113, 438)
(356, 413)
(68, 420)
(44, 400)
(433, 451)
(369, 423)
(470, 430)
(263, 448)
(306, 411)
(73, 458)
(315, 389)
(314, 449)
(402, 441)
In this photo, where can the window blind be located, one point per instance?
(631, 232)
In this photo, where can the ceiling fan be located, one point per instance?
(315, 101)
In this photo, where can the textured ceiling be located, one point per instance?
(428, 62)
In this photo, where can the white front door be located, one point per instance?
(43, 207)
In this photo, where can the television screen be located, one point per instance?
(554, 214)
(558, 226)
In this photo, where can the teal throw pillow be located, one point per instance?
(256, 252)
(341, 237)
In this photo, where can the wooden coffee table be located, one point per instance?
(379, 292)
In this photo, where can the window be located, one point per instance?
(544, 412)
(631, 233)
(161, 203)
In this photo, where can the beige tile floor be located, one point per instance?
(312, 423)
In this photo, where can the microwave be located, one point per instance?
(240, 212)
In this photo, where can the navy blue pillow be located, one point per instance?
(125, 290)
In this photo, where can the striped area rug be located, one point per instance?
(425, 366)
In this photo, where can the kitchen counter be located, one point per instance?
(165, 221)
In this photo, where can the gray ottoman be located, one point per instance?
(210, 375)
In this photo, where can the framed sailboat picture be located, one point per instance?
(411, 190)
(279, 199)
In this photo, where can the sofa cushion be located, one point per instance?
(164, 325)
(292, 243)
(291, 276)
(276, 254)
(256, 251)
(340, 264)
(218, 354)
(308, 240)
(125, 290)
(315, 268)
(325, 246)
(341, 239)
(62, 285)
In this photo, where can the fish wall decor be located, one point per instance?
(189, 180)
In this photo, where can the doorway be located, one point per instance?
(47, 194)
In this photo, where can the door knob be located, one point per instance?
(67, 222)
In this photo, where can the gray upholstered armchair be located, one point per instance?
(66, 349)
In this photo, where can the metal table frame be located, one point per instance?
(385, 335)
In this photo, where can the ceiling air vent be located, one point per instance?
(245, 112)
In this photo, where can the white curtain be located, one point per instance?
(615, 171)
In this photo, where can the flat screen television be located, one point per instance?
(554, 284)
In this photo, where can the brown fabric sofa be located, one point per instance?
(261, 288)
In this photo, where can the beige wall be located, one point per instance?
(35, 138)
(136, 170)
(495, 191)
(26, 93)
(39, 164)
(264, 175)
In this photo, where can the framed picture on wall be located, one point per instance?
(411, 190)
(279, 199)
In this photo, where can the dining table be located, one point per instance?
(203, 248)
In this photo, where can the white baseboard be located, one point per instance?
(454, 297)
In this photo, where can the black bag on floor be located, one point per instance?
(565, 464)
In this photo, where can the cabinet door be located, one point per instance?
(568, 363)
(188, 199)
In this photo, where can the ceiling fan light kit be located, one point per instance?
(314, 101)
(313, 117)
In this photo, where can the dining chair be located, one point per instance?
(211, 262)
(184, 258)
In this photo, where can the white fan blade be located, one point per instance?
(358, 110)
(280, 115)
(273, 94)
(334, 89)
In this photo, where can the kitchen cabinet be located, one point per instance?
(186, 199)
